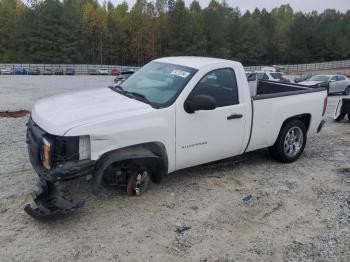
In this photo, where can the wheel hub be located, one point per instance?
(138, 183)
(293, 141)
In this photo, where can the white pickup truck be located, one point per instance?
(173, 113)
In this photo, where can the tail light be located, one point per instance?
(325, 105)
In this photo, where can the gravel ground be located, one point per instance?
(247, 208)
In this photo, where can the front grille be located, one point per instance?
(63, 149)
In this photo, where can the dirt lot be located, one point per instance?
(248, 208)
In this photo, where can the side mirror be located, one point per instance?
(331, 81)
(199, 102)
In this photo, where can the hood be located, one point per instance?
(310, 83)
(57, 114)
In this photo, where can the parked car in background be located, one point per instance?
(70, 71)
(58, 71)
(115, 72)
(6, 71)
(20, 71)
(33, 71)
(122, 77)
(92, 71)
(268, 69)
(47, 71)
(278, 68)
(265, 75)
(303, 78)
(248, 74)
(103, 71)
(253, 78)
(333, 83)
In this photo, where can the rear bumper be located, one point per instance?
(320, 126)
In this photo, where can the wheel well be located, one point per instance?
(153, 153)
(304, 118)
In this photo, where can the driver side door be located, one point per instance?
(210, 135)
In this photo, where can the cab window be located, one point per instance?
(220, 84)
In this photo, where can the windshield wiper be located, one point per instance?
(139, 96)
(134, 95)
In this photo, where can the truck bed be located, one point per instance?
(275, 102)
(270, 89)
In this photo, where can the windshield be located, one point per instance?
(160, 83)
(319, 78)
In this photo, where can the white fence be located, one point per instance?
(80, 69)
(83, 68)
(308, 67)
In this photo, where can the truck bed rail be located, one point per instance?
(271, 89)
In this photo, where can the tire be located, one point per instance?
(290, 142)
(347, 91)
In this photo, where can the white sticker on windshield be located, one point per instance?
(180, 73)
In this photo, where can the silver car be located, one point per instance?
(6, 71)
(334, 83)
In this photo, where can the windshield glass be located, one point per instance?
(319, 78)
(160, 83)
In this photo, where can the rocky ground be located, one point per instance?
(248, 208)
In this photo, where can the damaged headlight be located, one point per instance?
(84, 147)
(57, 150)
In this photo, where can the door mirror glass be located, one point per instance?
(199, 102)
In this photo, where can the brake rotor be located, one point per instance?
(138, 183)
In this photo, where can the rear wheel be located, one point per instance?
(290, 143)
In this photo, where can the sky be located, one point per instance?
(297, 5)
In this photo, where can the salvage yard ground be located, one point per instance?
(247, 208)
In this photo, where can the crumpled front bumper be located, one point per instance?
(48, 200)
(50, 203)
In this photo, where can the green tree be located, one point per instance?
(12, 31)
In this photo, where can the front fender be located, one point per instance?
(136, 153)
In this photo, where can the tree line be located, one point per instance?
(87, 32)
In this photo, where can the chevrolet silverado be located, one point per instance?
(172, 114)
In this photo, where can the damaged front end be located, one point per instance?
(55, 158)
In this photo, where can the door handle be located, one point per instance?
(234, 116)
